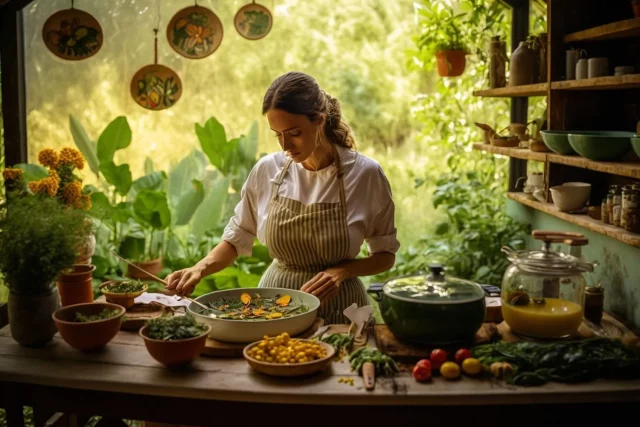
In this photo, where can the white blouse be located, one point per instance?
(370, 208)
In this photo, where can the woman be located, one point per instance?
(312, 205)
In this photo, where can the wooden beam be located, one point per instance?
(15, 5)
(13, 86)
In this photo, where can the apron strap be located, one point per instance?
(339, 176)
(279, 178)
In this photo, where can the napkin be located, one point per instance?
(166, 300)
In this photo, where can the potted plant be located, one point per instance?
(38, 239)
(635, 4)
(441, 36)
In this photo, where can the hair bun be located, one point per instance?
(334, 114)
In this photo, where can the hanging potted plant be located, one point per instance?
(38, 239)
(441, 36)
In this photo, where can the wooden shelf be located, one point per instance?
(538, 89)
(614, 30)
(631, 170)
(585, 221)
(629, 81)
(518, 153)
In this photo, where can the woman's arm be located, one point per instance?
(326, 284)
(184, 281)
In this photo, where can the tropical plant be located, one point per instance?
(39, 238)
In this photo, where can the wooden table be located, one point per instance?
(124, 381)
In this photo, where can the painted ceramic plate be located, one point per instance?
(195, 32)
(253, 21)
(72, 34)
(156, 87)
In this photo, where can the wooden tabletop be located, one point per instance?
(125, 366)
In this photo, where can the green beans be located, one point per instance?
(384, 364)
(339, 342)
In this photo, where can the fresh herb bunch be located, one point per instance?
(126, 287)
(39, 238)
(104, 314)
(340, 342)
(171, 328)
(567, 362)
(384, 364)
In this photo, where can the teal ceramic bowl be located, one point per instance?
(604, 146)
(557, 141)
(635, 143)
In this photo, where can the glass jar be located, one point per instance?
(610, 196)
(630, 220)
(543, 291)
(604, 213)
(617, 206)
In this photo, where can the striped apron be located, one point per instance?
(304, 240)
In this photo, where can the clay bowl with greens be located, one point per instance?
(175, 340)
(89, 326)
(246, 315)
(123, 292)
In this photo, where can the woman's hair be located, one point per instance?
(299, 93)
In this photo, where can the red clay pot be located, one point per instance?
(154, 267)
(451, 63)
(635, 4)
(75, 286)
(89, 336)
(178, 352)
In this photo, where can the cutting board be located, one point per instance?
(608, 327)
(138, 314)
(214, 348)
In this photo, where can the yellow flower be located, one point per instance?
(72, 193)
(12, 174)
(48, 186)
(48, 158)
(85, 202)
(71, 157)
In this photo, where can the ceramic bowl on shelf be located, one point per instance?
(557, 141)
(605, 146)
(571, 196)
(635, 143)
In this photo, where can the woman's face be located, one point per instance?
(296, 134)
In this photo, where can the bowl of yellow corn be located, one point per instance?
(284, 356)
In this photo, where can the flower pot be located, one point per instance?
(76, 286)
(635, 4)
(154, 267)
(88, 336)
(30, 317)
(86, 250)
(451, 63)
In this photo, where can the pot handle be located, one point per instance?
(375, 289)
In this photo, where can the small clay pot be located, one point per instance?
(75, 292)
(154, 267)
(174, 352)
(451, 63)
(88, 336)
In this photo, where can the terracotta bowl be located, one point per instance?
(88, 336)
(125, 300)
(293, 369)
(174, 352)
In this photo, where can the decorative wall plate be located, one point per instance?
(253, 21)
(156, 87)
(195, 32)
(72, 34)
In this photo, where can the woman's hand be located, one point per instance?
(184, 281)
(326, 284)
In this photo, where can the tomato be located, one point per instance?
(426, 363)
(422, 371)
(461, 355)
(450, 370)
(438, 357)
(471, 366)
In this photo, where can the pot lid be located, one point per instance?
(547, 262)
(436, 288)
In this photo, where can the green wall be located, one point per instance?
(619, 264)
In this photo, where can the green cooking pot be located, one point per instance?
(433, 310)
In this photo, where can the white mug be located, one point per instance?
(570, 66)
(582, 69)
(598, 67)
(536, 179)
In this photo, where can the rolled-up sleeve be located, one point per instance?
(242, 227)
(383, 235)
